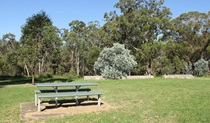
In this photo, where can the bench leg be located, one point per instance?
(88, 96)
(77, 102)
(39, 103)
(56, 101)
(99, 100)
(35, 99)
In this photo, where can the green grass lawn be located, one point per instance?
(144, 100)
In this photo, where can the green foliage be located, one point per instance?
(160, 45)
(9, 57)
(45, 75)
(188, 68)
(201, 67)
(112, 73)
(115, 62)
(71, 75)
(60, 70)
(178, 65)
(93, 54)
(40, 44)
(169, 69)
(187, 31)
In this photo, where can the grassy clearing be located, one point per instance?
(145, 100)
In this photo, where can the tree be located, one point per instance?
(191, 31)
(93, 54)
(49, 58)
(141, 22)
(76, 45)
(39, 40)
(9, 58)
(114, 62)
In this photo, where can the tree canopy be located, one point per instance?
(39, 42)
(160, 44)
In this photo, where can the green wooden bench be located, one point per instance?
(67, 94)
(60, 90)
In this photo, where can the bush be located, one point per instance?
(112, 73)
(201, 67)
(45, 75)
(168, 69)
(188, 68)
(115, 62)
(71, 74)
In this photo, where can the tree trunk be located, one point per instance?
(39, 68)
(149, 69)
(33, 83)
(25, 67)
(42, 64)
(72, 61)
(77, 62)
(83, 67)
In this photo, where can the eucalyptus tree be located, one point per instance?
(140, 22)
(39, 40)
(92, 57)
(93, 39)
(9, 60)
(76, 44)
(49, 59)
(154, 50)
(92, 33)
(191, 30)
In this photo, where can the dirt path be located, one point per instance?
(29, 110)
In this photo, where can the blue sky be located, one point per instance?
(15, 12)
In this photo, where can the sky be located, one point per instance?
(14, 13)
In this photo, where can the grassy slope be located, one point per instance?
(145, 100)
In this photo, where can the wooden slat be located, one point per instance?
(67, 94)
(62, 90)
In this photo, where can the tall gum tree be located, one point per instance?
(9, 58)
(38, 40)
(191, 31)
(140, 22)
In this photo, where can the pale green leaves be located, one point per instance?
(115, 62)
(201, 67)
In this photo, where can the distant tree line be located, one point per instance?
(160, 44)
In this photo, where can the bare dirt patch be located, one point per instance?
(65, 107)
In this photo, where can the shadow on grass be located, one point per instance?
(8, 80)
(71, 103)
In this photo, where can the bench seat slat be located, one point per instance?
(62, 90)
(67, 94)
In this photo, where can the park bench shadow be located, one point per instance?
(70, 103)
(6, 80)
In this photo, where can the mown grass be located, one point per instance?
(143, 100)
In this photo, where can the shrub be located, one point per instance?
(169, 69)
(45, 75)
(188, 68)
(71, 74)
(201, 67)
(115, 62)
